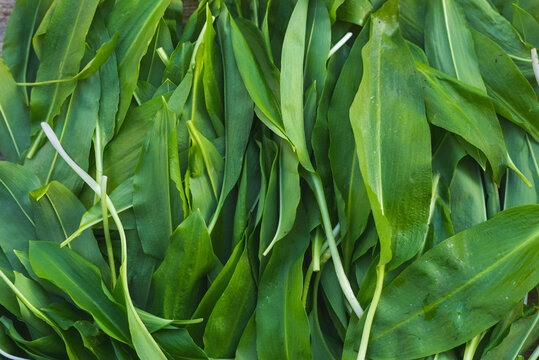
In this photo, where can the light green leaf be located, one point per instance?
(292, 63)
(390, 98)
(449, 44)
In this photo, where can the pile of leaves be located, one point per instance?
(277, 179)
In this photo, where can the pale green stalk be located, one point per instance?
(318, 189)
(326, 255)
(471, 346)
(535, 354)
(370, 314)
(9, 356)
(535, 64)
(108, 242)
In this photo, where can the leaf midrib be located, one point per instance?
(450, 39)
(10, 131)
(17, 202)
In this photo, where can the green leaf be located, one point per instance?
(355, 11)
(16, 217)
(47, 347)
(282, 325)
(412, 20)
(205, 171)
(292, 62)
(102, 55)
(156, 201)
(238, 112)
(122, 196)
(17, 46)
(135, 22)
(526, 25)
(81, 280)
(122, 154)
(386, 157)
(247, 346)
(317, 45)
(100, 39)
(74, 127)
(289, 194)
(449, 44)
(57, 213)
(462, 286)
(214, 293)
(190, 252)
(179, 345)
(60, 57)
(468, 206)
(255, 82)
(15, 124)
(521, 331)
(151, 66)
(521, 149)
(483, 18)
(321, 347)
(353, 203)
(466, 111)
(213, 76)
(232, 311)
(512, 94)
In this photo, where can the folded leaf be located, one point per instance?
(190, 252)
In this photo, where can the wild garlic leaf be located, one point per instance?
(387, 157)
(513, 95)
(353, 204)
(17, 46)
(82, 282)
(156, 201)
(292, 63)
(467, 266)
(60, 57)
(449, 44)
(18, 224)
(15, 124)
(190, 252)
(135, 23)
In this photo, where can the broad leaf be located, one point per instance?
(386, 157)
(466, 284)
